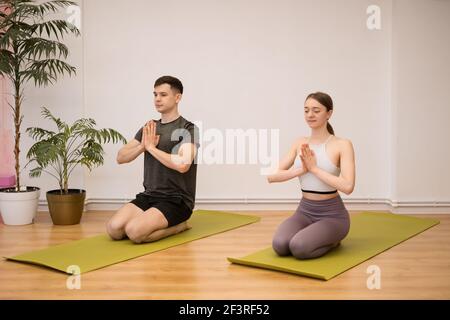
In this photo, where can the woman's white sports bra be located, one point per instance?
(308, 181)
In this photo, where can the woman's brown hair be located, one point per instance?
(325, 100)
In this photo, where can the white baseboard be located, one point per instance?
(265, 204)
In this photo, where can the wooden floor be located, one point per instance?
(418, 268)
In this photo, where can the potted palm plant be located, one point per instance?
(30, 51)
(60, 152)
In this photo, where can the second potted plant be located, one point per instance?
(63, 150)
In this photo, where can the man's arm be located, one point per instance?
(180, 162)
(130, 151)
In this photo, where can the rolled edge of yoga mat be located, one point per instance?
(242, 261)
(36, 264)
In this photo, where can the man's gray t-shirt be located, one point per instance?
(161, 181)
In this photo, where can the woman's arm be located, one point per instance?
(346, 181)
(285, 175)
(285, 172)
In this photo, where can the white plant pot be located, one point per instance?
(19, 208)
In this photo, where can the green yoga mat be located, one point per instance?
(370, 234)
(100, 251)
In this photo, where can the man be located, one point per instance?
(170, 169)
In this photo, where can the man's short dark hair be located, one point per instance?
(172, 81)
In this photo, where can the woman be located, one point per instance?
(325, 165)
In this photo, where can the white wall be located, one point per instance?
(245, 64)
(250, 64)
(421, 100)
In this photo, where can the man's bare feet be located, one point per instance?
(182, 227)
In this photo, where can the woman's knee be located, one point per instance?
(300, 249)
(281, 246)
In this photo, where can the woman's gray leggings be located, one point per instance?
(316, 227)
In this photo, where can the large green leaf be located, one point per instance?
(38, 47)
(31, 8)
(73, 145)
(46, 71)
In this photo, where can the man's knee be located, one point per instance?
(134, 233)
(114, 229)
(116, 225)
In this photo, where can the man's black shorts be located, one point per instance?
(173, 208)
